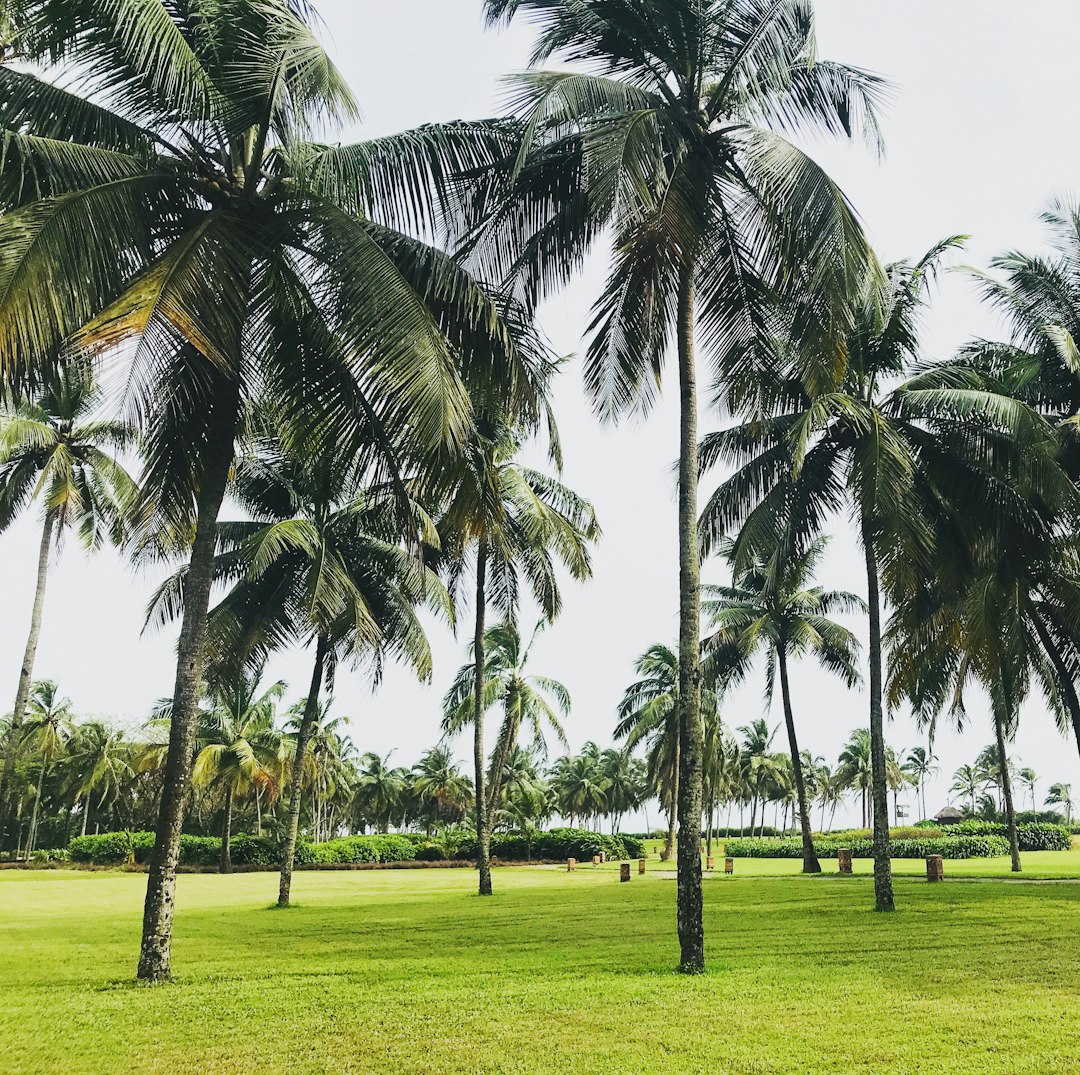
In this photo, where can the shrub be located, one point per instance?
(950, 847)
(432, 853)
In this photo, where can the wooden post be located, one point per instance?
(710, 864)
(571, 865)
(494, 860)
(596, 860)
(603, 856)
(641, 866)
(844, 858)
(624, 871)
(935, 868)
(729, 865)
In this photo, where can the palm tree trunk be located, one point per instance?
(1006, 788)
(810, 863)
(483, 817)
(155, 957)
(296, 778)
(225, 865)
(85, 814)
(31, 838)
(673, 810)
(26, 676)
(691, 728)
(883, 887)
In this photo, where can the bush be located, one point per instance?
(432, 853)
(1033, 835)
(949, 847)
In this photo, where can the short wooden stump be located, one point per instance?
(641, 865)
(710, 863)
(571, 865)
(624, 871)
(844, 858)
(729, 865)
(596, 860)
(935, 868)
(603, 856)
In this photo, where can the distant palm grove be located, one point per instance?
(306, 383)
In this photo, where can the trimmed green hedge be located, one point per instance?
(949, 847)
(113, 848)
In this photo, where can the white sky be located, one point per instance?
(977, 142)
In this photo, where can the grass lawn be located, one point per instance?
(409, 972)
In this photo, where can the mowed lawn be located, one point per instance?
(404, 972)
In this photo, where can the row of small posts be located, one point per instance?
(935, 866)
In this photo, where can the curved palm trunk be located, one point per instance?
(483, 816)
(691, 728)
(225, 865)
(155, 957)
(26, 676)
(809, 856)
(883, 887)
(1006, 788)
(296, 778)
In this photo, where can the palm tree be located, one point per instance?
(856, 769)
(919, 764)
(1061, 795)
(831, 789)
(625, 783)
(237, 742)
(967, 781)
(509, 521)
(181, 212)
(672, 138)
(379, 789)
(579, 788)
(56, 450)
(49, 726)
(523, 698)
(775, 608)
(444, 792)
(99, 761)
(649, 714)
(912, 461)
(1029, 778)
(319, 562)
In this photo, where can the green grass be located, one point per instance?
(409, 972)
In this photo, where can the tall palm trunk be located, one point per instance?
(155, 957)
(1006, 788)
(483, 817)
(883, 887)
(810, 862)
(26, 676)
(85, 814)
(225, 864)
(673, 810)
(296, 778)
(31, 838)
(691, 728)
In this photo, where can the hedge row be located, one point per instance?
(116, 848)
(1033, 836)
(949, 847)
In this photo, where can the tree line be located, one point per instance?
(338, 343)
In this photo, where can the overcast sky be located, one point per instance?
(978, 139)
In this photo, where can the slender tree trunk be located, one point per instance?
(1006, 788)
(31, 838)
(483, 817)
(85, 814)
(883, 886)
(26, 677)
(708, 833)
(673, 811)
(296, 778)
(225, 864)
(155, 958)
(691, 728)
(809, 857)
